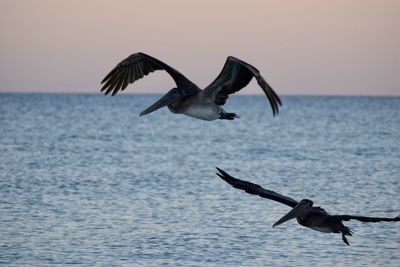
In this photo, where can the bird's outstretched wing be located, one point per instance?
(365, 219)
(235, 75)
(135, 67)
(255, 189)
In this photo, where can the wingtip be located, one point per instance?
(219, 173)
(104, 87)
(144, 112)
(279, 100)
(224, 173)
(276, 224)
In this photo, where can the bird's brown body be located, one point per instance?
(187, 98)
(305, 213)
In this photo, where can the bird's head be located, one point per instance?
(306, 203)
(303, 207)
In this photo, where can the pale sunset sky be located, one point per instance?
(335, 47)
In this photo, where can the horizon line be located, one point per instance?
(155, 93)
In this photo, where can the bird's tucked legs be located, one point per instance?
(345, 231)
(228, 116)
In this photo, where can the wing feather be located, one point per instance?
(135, 67)
(255, 189)
(119, 82)
(365, 219)
(130, 75)
(126, 79)
(235, 75)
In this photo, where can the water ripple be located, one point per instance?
(85, 181)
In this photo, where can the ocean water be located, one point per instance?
(85, 181)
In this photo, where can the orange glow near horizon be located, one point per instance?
(300, 47)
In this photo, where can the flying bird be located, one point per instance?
(306, 214)
(187, 98)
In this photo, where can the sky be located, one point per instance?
(302, 47)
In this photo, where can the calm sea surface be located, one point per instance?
(85, 181)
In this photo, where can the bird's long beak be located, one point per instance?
(159, 104)
(169, 98)
(294, 213)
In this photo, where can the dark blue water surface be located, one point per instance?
(84, 180)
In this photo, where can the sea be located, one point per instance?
(85, 181)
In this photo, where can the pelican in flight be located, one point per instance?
(187, 98)
(306, 214)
